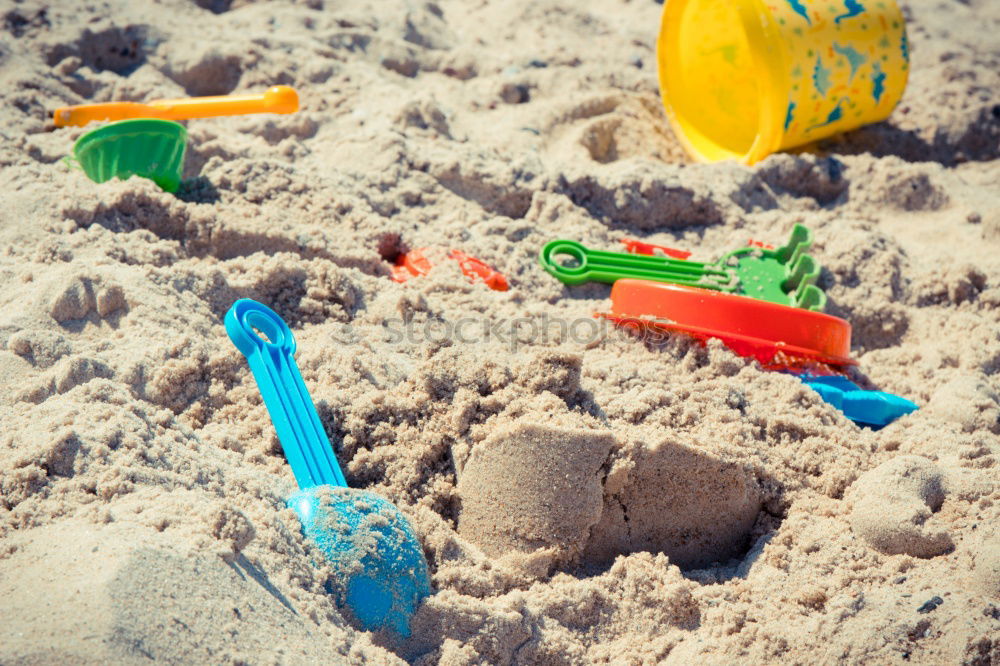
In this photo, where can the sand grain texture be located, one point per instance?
(531, 487)
(581, 496)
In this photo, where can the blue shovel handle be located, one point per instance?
(287, 399)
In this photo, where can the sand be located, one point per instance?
(581, 496)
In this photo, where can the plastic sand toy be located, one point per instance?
(634, 246)
(773, 334)
(381, 572)
(741, 79)
(872, 408)
(279, 99)
(144, 142)
(812, 345)
(144, 147)
(415, 263)
(785, 275)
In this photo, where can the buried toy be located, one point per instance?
(380, 571)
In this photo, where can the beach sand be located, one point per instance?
(582, 496)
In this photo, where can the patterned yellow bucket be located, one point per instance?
(742, 79)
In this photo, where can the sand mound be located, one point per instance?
(970, 402)
(125, 594)
(987, 569)
(581, 495)
(679, 500)
(894, 506)
(528, 487)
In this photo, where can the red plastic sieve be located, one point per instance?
(772, 333)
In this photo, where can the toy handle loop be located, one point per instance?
(245, 316)
(284, 392)
(565, 248)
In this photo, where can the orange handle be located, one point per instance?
(279, 99)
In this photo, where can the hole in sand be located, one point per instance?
(215, 6)
(115, 49)
(390, 247)
(18, 23)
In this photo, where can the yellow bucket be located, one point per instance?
(742, 79)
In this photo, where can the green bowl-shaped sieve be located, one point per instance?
(144, 147)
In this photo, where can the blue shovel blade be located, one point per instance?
(872, 408)
(380, 571)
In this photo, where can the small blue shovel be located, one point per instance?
(381, 573)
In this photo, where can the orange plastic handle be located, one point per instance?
(279, 99)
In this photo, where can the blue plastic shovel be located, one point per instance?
(870, 408)
(381, 572)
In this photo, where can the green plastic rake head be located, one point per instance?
(785, 275)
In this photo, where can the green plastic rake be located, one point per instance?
(785, 275)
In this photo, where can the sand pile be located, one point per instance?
(582, 496)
